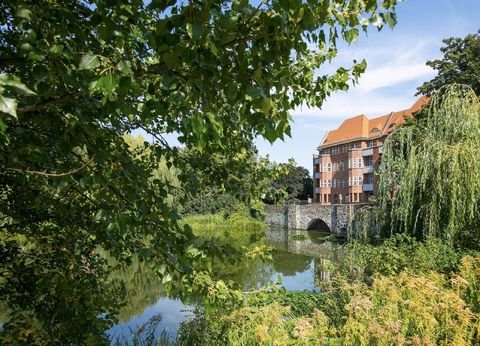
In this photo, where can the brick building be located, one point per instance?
(348, 156)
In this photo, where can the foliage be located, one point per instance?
(61, 290)
(401, 309)
(271, 324)
(291, 183)
(396, 254)
(243, 188)
(407, 309)
(243, 241)
(210, 200)
(300, 303)
(76, 75)
(459, 64)
(430, 172)
(236, 228)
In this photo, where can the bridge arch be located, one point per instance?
(318, 225)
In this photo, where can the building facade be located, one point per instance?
(344, 168)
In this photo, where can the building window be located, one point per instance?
(370, 179)
(329, 167)
(329, 183)
(368, 160)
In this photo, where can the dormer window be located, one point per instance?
(375, 129)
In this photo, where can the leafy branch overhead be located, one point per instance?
(76, 75)
(204, 57)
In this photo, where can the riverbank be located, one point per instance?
(400, 292)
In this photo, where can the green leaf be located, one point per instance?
(89, 62)
(57, 49)
(194, 30)
(267, 105)
(162, 268)
(124, 67)
(351, 35)
(255, 92)
(106, 84)
(8, 105)
(391, 19)
(12, 81)
(167, 278)
(24, 13)
(3, 128)
(212, 46)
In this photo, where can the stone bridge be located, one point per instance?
(333, 218)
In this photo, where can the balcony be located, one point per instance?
(367, 152)
(317, 175)
(367, 169)
(317, 190)
(367, 187)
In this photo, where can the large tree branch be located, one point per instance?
(50, 102)
(7, 62)
(47, 174)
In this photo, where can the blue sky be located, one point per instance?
(396, 66)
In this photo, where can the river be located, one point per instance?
(299, 259)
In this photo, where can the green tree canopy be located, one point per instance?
(460, 64)
(76, 75)
(291, 183)
(430, 171)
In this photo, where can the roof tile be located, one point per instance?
(360, 127)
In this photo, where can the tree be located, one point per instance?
(460, 64)
(292, 183)
(76, 75)
(430, 171)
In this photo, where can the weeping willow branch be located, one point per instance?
(430, 171)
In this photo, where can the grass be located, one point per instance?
(402, 292)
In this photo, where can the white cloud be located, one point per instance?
(389, 83)
(393, 74)
(342, 106)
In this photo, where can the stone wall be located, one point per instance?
(336, 216)
(276, 215)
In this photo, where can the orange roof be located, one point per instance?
(360, 127)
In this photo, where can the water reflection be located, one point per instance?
(169, 313)
(300, 256)
(297, 257)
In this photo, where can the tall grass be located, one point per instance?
(402, 292)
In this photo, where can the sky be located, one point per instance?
(396, 67)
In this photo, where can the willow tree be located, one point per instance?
(430, 171)
(75, 75)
